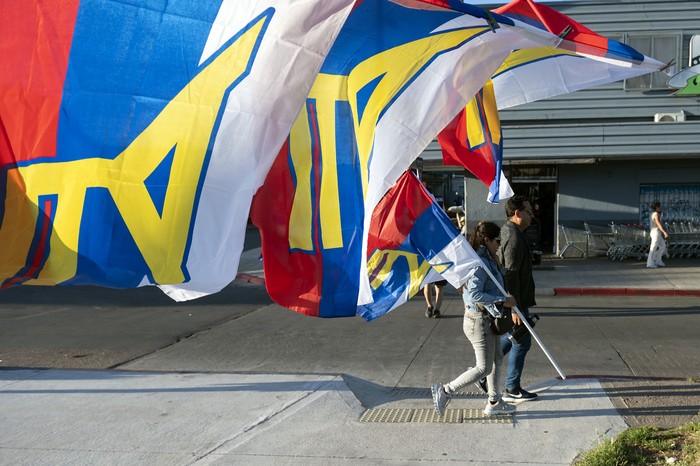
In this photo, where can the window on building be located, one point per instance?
(661, 47)
(680, 202)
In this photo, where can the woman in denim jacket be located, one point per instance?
(481, 297)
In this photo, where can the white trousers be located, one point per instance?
(657, 248)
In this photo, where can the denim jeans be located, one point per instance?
(516, 358)
(488, 353)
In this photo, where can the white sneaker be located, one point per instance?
(440, 398)
(660, 264)
(651, 266)
(501, 407)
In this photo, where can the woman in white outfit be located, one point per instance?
(658, 237)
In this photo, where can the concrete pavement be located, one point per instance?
(120, 417)
(154, 411)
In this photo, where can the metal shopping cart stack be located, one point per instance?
(599, 240)
(574, 242)
(629, 241)
(684, 239)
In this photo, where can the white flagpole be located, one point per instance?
(527, 324)
(539, 342)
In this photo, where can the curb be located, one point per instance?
(245, 277)
(623, 292)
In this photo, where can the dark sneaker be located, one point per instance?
(436, 314)
(440, 398)
(482, 385)
(498, 408)
(518, 394)
(429, 312)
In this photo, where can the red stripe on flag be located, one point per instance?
(43, 238)
(36, 262)
(316, 157)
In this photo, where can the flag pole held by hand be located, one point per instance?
(539, 342)
(527, 324)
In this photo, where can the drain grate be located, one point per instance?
(452, 416)
(387, 415)
(425, 392)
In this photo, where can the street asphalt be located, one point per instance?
(92, 376)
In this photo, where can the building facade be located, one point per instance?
(601, 155)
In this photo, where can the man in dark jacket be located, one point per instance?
(515, 256)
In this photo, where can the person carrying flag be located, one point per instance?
(482, 300)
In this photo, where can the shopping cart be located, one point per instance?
(599, 239)
(574, 241)
(684, 239)
(629, 241)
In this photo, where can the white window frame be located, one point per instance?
(657, 76)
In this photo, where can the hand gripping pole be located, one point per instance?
(527, 324)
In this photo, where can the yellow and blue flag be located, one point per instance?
(133, 134)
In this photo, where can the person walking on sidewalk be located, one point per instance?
(482, 299)
(433, 307)
(658, 242)
(515, 256)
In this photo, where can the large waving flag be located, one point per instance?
(581, 59)
(133, 134)
(395, 76)
(474, 140)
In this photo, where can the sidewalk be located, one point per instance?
(120, 417)
(149, 417)
(680, 277)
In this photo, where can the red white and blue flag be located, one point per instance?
(411, 242)
(580, 59)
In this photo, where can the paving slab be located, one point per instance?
(131, 417)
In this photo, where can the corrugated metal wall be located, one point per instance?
(609, 121)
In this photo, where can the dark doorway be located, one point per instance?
(543, 197)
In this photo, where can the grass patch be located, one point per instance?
(647, 446)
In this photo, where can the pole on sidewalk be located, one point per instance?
(527, 324)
